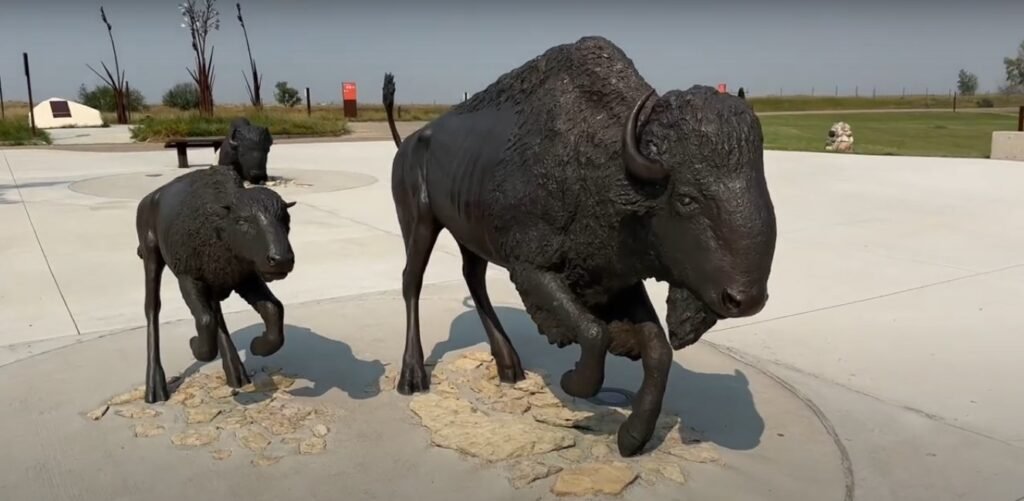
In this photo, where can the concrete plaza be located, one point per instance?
(885, 366)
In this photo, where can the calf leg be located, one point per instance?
(199, 300)
(234, 371)
(156, 382)
(255, 292)
(474, 269)
(420, 240)
(549, 296)
(656, 356)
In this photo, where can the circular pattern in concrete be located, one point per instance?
(287, 182)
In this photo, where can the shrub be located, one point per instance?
(17, 131)
(101, 97)
(286, 95)
(183, 96)
(157, 129)
(985, 103)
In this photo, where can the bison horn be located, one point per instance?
(636, 163)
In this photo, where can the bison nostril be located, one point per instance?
(731, 301)
(273, 260)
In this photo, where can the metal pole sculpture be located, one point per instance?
(31, 104)
(114, 80)
(257, 80)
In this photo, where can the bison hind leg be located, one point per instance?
(419, 230)
(474, 270)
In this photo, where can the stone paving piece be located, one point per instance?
(528, 429)
(528, 472)
(98, 413)
(147, 430)
(137, 412)
(221, 454)
(201, 406)
(594, 479)
(196, 437)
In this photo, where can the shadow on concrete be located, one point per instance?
(325, 362)
(719, 407)
(9, 192)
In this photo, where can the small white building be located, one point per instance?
(56, 112)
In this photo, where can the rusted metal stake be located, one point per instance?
(1020, 119)
(309, 107)
(3, 112)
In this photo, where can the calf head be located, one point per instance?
(249, 145)
(713, 228)
(255, 226)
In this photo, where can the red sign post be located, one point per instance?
(348, 97)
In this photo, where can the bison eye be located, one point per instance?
(684, 204)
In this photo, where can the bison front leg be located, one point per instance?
(258, 295)
(234, 370)
(199, 300)
(656, 355)
(561, 315)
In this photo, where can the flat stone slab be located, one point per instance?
(287, 182)
(764, 441)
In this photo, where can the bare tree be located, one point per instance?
(201, 17)
(252, 88)
(115, 80)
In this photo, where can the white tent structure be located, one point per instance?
(56, 112)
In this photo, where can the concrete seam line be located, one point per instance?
(46, 259)
(844, 455)
(872, 298)
(925, 414)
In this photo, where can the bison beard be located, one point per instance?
(551, 173)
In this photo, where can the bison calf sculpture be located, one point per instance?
(245, 149)
(553, 173)
(216, 236)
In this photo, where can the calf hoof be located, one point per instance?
(264, 346)
(413, 380)
(203, 352)
(633, 436)
(157, 394)
(237, 379)
(511, 375)
(579, 385)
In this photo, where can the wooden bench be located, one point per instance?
(182, 145)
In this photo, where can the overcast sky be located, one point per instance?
(438, 49)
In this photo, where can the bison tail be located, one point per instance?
(389, 105)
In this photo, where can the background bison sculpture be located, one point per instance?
(246, 149)
(567, 174)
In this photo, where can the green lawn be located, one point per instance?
(893, 133)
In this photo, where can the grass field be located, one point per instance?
(828, 103)
(894, 133)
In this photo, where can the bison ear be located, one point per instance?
(289, 205)
(224, 208)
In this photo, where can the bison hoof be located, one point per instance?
(156, 390)
(578, 385)
(633, 436)
(413, 380)
(511, 375)
(237, 379)
(264, 347)
(203, 352)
